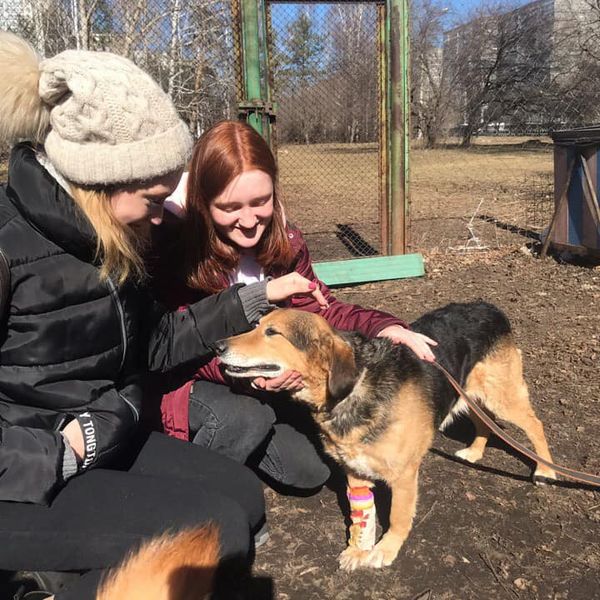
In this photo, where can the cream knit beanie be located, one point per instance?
(109, 121)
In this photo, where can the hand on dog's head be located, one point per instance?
(288, 339)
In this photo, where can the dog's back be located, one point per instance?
(475, 326)
(466, 333)
(172, 567)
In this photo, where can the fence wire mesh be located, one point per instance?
(490, 79)
(324, 63)
(186, 45)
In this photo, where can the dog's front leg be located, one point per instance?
(404, 503)
(362, 531)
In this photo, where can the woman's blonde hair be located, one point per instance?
(119, 247)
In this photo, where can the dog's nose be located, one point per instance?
(220, 347)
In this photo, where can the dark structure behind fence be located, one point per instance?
(576, 223)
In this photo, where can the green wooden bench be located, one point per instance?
(363, 270)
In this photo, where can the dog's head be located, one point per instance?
(291, 339)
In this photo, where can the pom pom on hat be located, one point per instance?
(23, 115)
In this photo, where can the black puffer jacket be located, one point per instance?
(72, 346)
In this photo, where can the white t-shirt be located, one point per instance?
(248, 272)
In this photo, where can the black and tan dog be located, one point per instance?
(378, 405)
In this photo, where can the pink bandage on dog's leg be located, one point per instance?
(363, 516)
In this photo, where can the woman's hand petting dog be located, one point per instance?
(292, 284)
(289, 381)
(420, 344)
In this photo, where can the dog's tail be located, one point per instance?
(172, 567)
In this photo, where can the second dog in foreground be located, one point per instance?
(378, 405)
(177, 566)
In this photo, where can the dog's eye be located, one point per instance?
(270, 331)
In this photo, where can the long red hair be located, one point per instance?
(225, 151)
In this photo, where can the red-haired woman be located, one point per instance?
(234, 230)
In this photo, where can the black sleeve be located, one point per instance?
(176, 338)
(30, 464)
(108, 422)
(4, 286)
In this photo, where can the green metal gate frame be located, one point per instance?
(256, 106)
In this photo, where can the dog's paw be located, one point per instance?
(543, 475)
(384, 553)
(352, 558)
(469, 455)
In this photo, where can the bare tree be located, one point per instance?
(499, 64)
(576, 63)
(430, 84)
(533, 68)
(186, 45)
(48, 25)
(352, 67)
(298, 77)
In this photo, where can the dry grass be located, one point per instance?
(509, 179)
(321, 182)
(451, 179)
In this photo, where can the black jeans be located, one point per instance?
(101, 514)
(245, 429)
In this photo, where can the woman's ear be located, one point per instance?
(343, 373)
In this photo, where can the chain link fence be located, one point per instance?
(325, 70)
(186, 45)
(489, 81)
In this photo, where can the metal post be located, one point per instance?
(269, 131)
(399, 123)
(384, 145)
(251, 59)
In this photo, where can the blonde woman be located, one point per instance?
(79, 486)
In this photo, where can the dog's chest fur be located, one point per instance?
(380, 448)
(359, 463)
(367, 431)
(357, 456)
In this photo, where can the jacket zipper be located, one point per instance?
(115, 297)
(134, 410)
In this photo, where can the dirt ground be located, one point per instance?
(483, 531)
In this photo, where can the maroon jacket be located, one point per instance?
(340, 315)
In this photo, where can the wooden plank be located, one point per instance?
(363, 270)
(558, 208)
(591, 198)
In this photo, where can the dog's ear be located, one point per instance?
(342, 370)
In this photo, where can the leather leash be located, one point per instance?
(505, 437)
